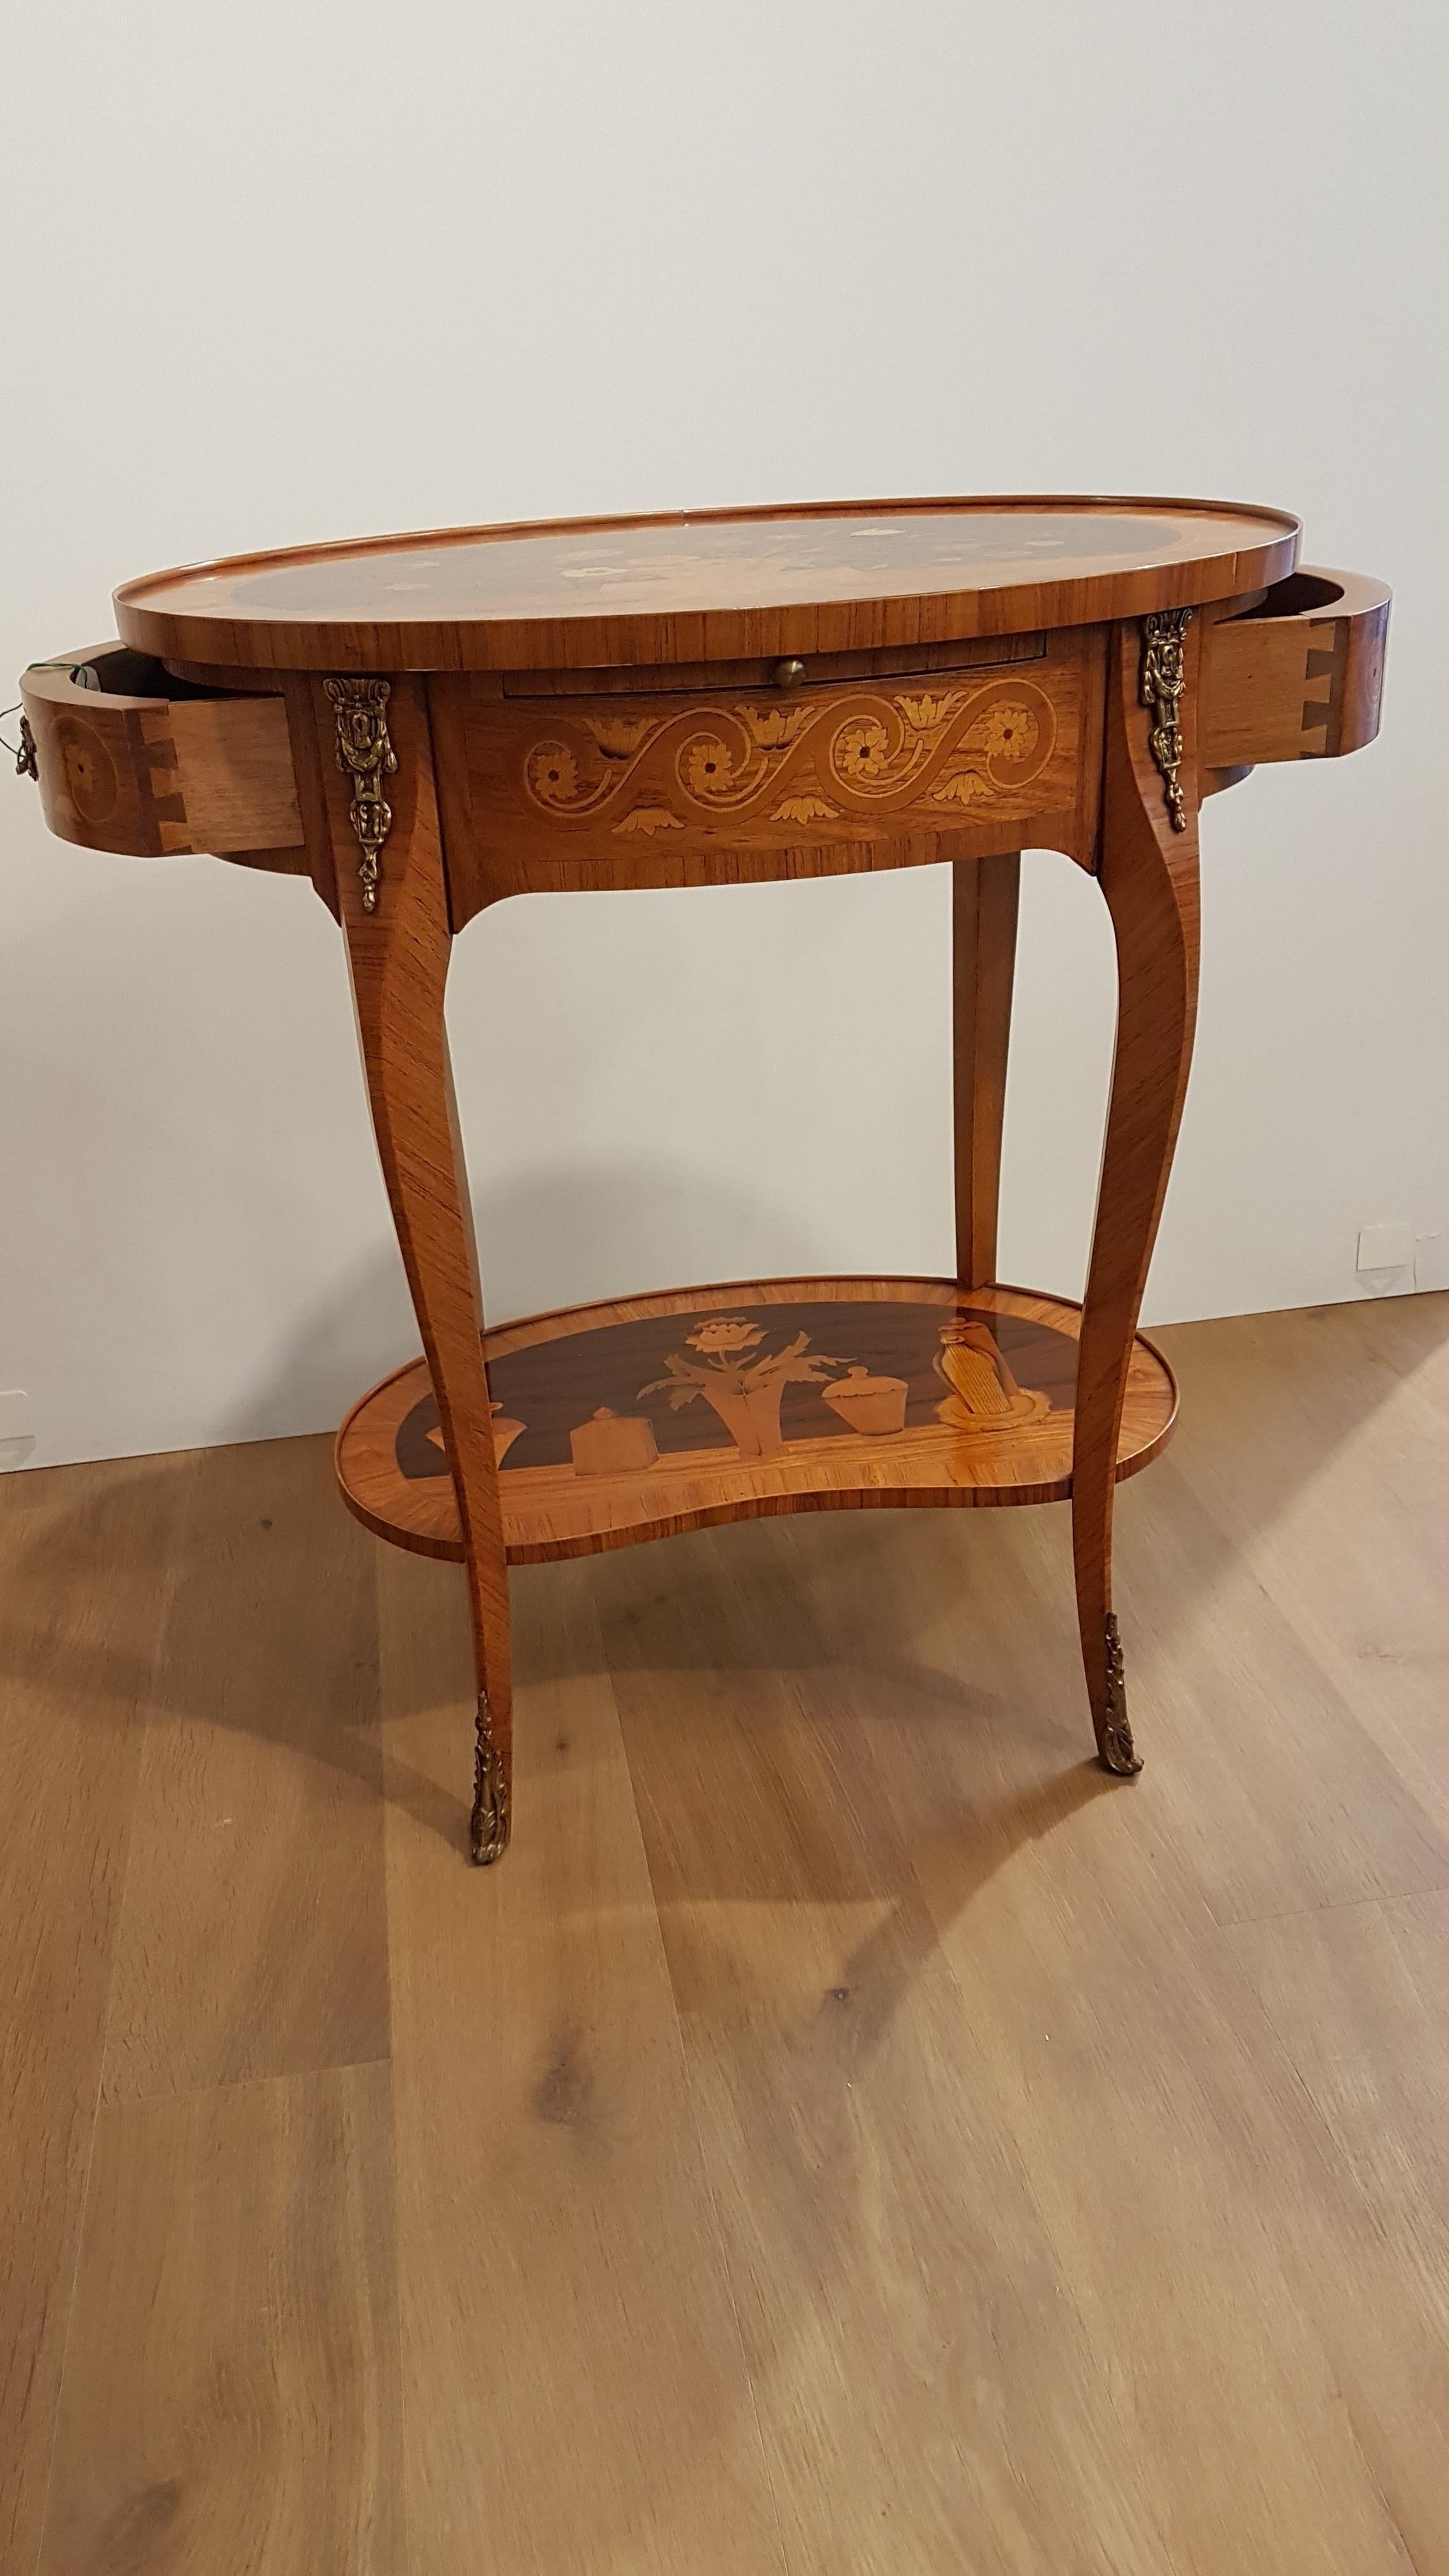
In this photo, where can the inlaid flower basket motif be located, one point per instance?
(744, 1390)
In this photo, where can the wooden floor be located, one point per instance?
(849, 2134)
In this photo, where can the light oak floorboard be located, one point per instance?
(1277, 1787)
(848, 2130)
(1175, 2179)
(232, 2389)
(253, 1938)
(577, 2397)
(1359, 1999)
(1320, 1443)
(897, 2287)
(84, 1558)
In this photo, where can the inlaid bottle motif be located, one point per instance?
(981, 1388)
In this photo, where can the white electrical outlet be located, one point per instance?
(17, 1432)
(1385, 1247)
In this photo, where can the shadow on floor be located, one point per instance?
(228, 1535)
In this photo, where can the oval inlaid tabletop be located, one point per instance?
(827, 577)
(642, 1417)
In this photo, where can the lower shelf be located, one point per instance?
(642, 1417)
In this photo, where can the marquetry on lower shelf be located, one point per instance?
(641, 1417)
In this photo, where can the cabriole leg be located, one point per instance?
(1149, 872)
(377, 778)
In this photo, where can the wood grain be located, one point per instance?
(106, 764)
(850, 2133)
(398, 956)
(985, 898)
(714, 784)
(720, 585)
(1304, 1811)
(234, 769)
(1288, 1499)
(86, 1558)
(1203, 2230)
(1357, 1999)
(1299, 677)
(141, 767)
(1167, 2154)
(1149, 876)
(688, 700)
(239, 2252)
(497, 845)
(764, 671)
(251, 1940)
(895, 2285)
(390, 1466)
(576, 2391)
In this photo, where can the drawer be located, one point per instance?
(130, 759)
(823, 771)
(1299, 677)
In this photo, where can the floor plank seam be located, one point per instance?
(245, 2083)
(696, 2119)
(1231, 1923)
(1076, 2170)
(726, 2268)
(147, 1712)
(1411, 2563)
(379, 1730)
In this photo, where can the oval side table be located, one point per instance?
(426, 724)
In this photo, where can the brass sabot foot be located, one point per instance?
(490, 1795)
(1119, 1753)
(1114, 1736)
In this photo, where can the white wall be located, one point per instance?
(281, 272)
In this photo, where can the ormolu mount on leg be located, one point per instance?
(1114, 1736)
(490, 1792)
(365, 757)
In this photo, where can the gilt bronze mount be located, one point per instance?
(1162, 688)
(366, 756)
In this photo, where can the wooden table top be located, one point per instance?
(826, 577)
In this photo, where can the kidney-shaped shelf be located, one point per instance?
(641, 1417)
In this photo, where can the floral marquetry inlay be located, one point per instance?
(838, 757)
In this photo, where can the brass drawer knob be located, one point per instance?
(789, 674)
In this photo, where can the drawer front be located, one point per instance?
(1297, 678)
(124, 767)
(696, 785)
